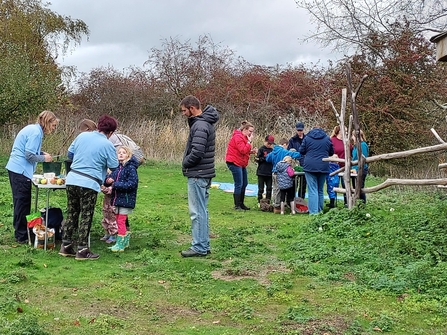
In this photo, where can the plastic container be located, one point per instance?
(39, 237)
(49, 175)
(52, 167)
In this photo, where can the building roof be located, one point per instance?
(438, 37)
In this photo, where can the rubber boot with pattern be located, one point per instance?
(119, 245)
(126, 240)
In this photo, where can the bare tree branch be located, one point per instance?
(344, 24)
(391, 182)
(436, 135)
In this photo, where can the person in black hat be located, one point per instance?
(295, 143)
(264, 170)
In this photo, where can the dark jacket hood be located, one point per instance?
(133, 161)
(282, 166)
(209, 114)
(316, 133)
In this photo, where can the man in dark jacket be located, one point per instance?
(295, 143)
(198, 167)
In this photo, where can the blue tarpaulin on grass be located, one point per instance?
(251, 190)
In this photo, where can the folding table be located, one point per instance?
(47, 187)
(299, 179)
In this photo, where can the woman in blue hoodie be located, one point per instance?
(316, 146)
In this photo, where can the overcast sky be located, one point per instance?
(122, 32)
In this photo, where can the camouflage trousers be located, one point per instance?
(81, 203)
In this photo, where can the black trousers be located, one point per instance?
(267, 180)
(21, 199)
(288, 193)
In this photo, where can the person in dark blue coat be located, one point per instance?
(316, 146)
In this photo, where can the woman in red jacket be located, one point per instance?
(237, 156)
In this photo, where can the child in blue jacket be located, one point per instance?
(124, 182)
(355, 156)
(285, 180)
(277, 155)
(332, 181)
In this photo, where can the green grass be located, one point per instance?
(379, 266)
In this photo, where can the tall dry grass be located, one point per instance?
(165, 141)
(160, 140)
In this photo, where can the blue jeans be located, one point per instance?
(198, 196)
(240, 178)
(315, 187)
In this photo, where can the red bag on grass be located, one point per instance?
(33, 219)
(301, 205)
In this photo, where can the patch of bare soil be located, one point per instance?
(333, 326)
(175, 312)
(228, 274)
(350, 276)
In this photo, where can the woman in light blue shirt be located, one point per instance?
(25, 153)
(92, 155)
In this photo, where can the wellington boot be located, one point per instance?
(119, 245)
(292, 208)
(245, 208)
(237, 202)
(331, 203)
(282, 207)
(126, 240)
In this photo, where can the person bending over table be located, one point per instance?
(25, 153)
